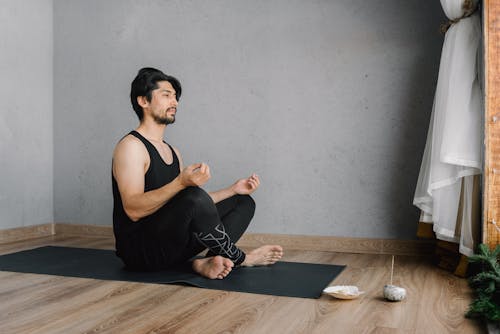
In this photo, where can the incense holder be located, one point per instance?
(394, 293)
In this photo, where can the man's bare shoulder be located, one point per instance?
(130, 148)
(128, 143)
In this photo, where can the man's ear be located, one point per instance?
(142, 101)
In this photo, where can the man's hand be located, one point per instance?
(195, 175)
(246, 186)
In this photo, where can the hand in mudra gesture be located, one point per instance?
(195, 175)
(246, 186)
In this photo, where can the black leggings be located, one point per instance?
(185, 226)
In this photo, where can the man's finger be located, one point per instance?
(203, 168)
(194, 166)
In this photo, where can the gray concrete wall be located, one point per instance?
(328, 101)
(26, 111)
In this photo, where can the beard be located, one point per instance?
(164, 120)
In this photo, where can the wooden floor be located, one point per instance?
(436, 301)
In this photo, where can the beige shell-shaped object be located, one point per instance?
(343, 291)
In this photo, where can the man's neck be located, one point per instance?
(152, 130)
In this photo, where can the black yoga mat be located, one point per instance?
(290, 279)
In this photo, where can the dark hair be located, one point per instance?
(144, 84)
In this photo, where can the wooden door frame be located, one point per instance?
(491, 175)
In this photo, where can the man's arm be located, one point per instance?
(130, 160)
(240, 187)
(222, 194)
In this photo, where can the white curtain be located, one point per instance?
(453, 151)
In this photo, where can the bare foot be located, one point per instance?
(213, 267)
(263, 256)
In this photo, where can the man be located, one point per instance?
(161, 216)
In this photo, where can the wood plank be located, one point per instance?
(303, 242)
(436, 301)
(491, 188)
(341, 244)
(26, 232)
(84, 230)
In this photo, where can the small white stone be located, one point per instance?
(394, 293)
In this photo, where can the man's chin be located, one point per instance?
(165, 121)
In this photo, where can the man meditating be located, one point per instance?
(161, 216)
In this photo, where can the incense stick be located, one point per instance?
(392, 268)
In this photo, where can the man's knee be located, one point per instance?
(248, 203)
(196, 197)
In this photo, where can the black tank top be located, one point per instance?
(158, 174)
